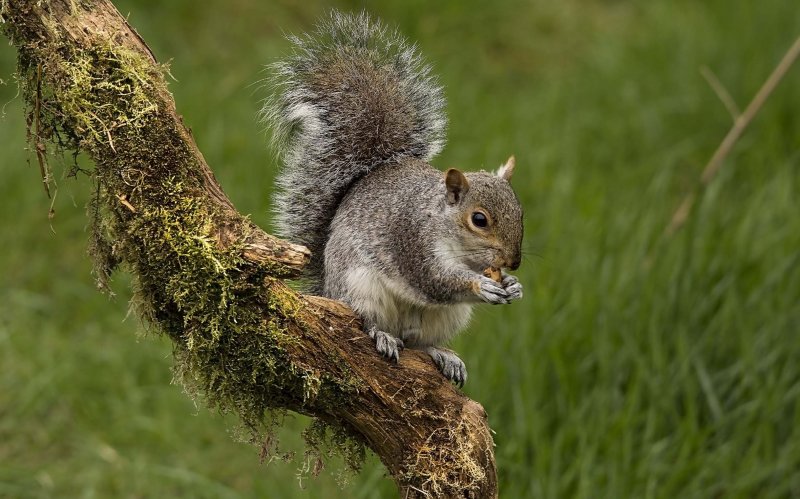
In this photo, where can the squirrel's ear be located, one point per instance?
(456, 184)
(507, 169)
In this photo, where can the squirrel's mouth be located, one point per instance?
(504, 263)
(481, 259)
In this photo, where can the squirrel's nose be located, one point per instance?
(514, 263)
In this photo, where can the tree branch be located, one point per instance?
(209, 278)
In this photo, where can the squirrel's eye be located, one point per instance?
(479, 219)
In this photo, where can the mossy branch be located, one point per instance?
(207, 277)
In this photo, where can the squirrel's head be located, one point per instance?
(489, 217)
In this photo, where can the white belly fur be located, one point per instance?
(398, 310)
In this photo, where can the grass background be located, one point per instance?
(612, 378)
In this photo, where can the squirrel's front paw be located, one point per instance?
(448, 362)
(512, 286)
(491, 291)
(386, 344)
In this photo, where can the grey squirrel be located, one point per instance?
(356, 117)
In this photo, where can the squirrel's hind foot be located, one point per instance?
(386, 344)
(449, 364)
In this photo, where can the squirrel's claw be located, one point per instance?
(508, 280)
(449, 364)
(386, 344)
(514, 291)
(489, 291)
(512, 286)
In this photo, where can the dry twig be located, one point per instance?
(739, 125)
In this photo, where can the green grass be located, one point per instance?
(612, 378)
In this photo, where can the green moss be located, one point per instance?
(234, 332)
(227, 350)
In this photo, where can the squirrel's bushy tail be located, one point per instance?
(353, 96)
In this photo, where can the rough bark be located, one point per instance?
(209, 278)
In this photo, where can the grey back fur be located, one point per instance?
(353, 96)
